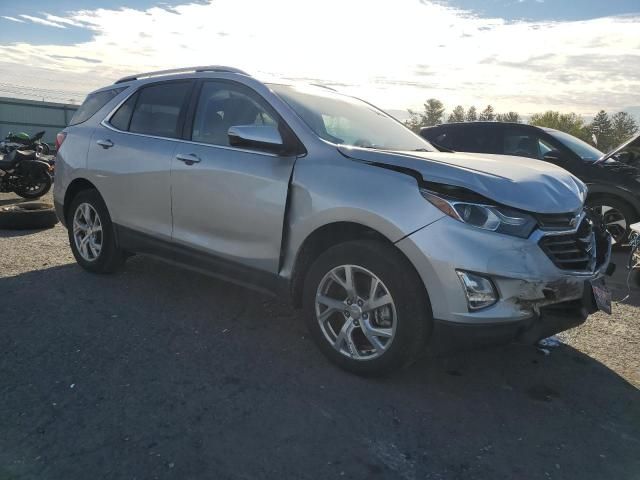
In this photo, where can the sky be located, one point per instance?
(521, 55)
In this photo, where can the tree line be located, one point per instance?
(604, 131)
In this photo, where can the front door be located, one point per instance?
(230, 202)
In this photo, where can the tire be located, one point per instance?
(109, 257)
(45, 186)
(410, 310)
(28, 216)
(620, 211)
(43, 149)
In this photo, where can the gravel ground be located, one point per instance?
(155, 372)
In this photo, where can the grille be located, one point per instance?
(572, 251)
(557, 221)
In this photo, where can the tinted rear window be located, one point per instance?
(442, 137)
(93, 103)
(473, 138)
(122, 117)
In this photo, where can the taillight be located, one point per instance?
(59, 139)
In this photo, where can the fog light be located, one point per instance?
(479, 290)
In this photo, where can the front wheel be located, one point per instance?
(36, 186)
(617, 216)
(366, 307)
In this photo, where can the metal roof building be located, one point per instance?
(18, 115)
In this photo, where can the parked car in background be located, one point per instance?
(613, 180)
(324, 199)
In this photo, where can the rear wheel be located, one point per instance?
(617, 216)
(36, 186)
(366, 308)
(91, 234)
(43, 149)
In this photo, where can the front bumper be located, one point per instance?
(528, 283)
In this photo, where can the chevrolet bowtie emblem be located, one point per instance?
(574, 221)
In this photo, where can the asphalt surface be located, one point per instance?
(156, 372)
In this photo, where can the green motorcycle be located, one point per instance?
(22, 141)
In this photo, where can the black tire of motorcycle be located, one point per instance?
(43, 149)
(31, 196)
(27, 216)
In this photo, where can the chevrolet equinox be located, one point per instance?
(385, 243)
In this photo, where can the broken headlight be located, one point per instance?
(488, 217)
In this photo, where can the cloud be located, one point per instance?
(395, 53)
(42, 21)
(61, 20)
(80, 59)
(13, 19)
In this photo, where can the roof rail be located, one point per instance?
(157, 73)
(324, 86)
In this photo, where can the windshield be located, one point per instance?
(580, 148)
(348, 121)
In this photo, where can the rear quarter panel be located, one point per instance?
(71, 159)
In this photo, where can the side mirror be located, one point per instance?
(261, 137)
(552, 156)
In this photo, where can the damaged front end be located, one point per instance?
(583, 254)
(543, 275)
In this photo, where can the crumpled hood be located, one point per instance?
(518, 182)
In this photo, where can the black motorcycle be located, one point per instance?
(22, 172)
(22, 141)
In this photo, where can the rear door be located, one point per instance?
(130, 155)
(230, 203)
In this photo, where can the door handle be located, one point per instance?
(105, 143)
(188, 158)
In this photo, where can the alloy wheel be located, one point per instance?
(614, 221)
(356, 312)
(87, 232)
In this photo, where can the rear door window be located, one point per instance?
(122, 117)
(93, 103)
(478, 138)
(159, 109)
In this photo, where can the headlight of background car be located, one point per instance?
(488, 217)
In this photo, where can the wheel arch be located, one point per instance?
(325, 237)
(75, 187)
(598, 191)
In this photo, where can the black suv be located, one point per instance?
(613, 179)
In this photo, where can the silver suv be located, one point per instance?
(384, 242)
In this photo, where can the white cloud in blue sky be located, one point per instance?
(393, 53)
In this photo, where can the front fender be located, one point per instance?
(615, 191)
(345, 191)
